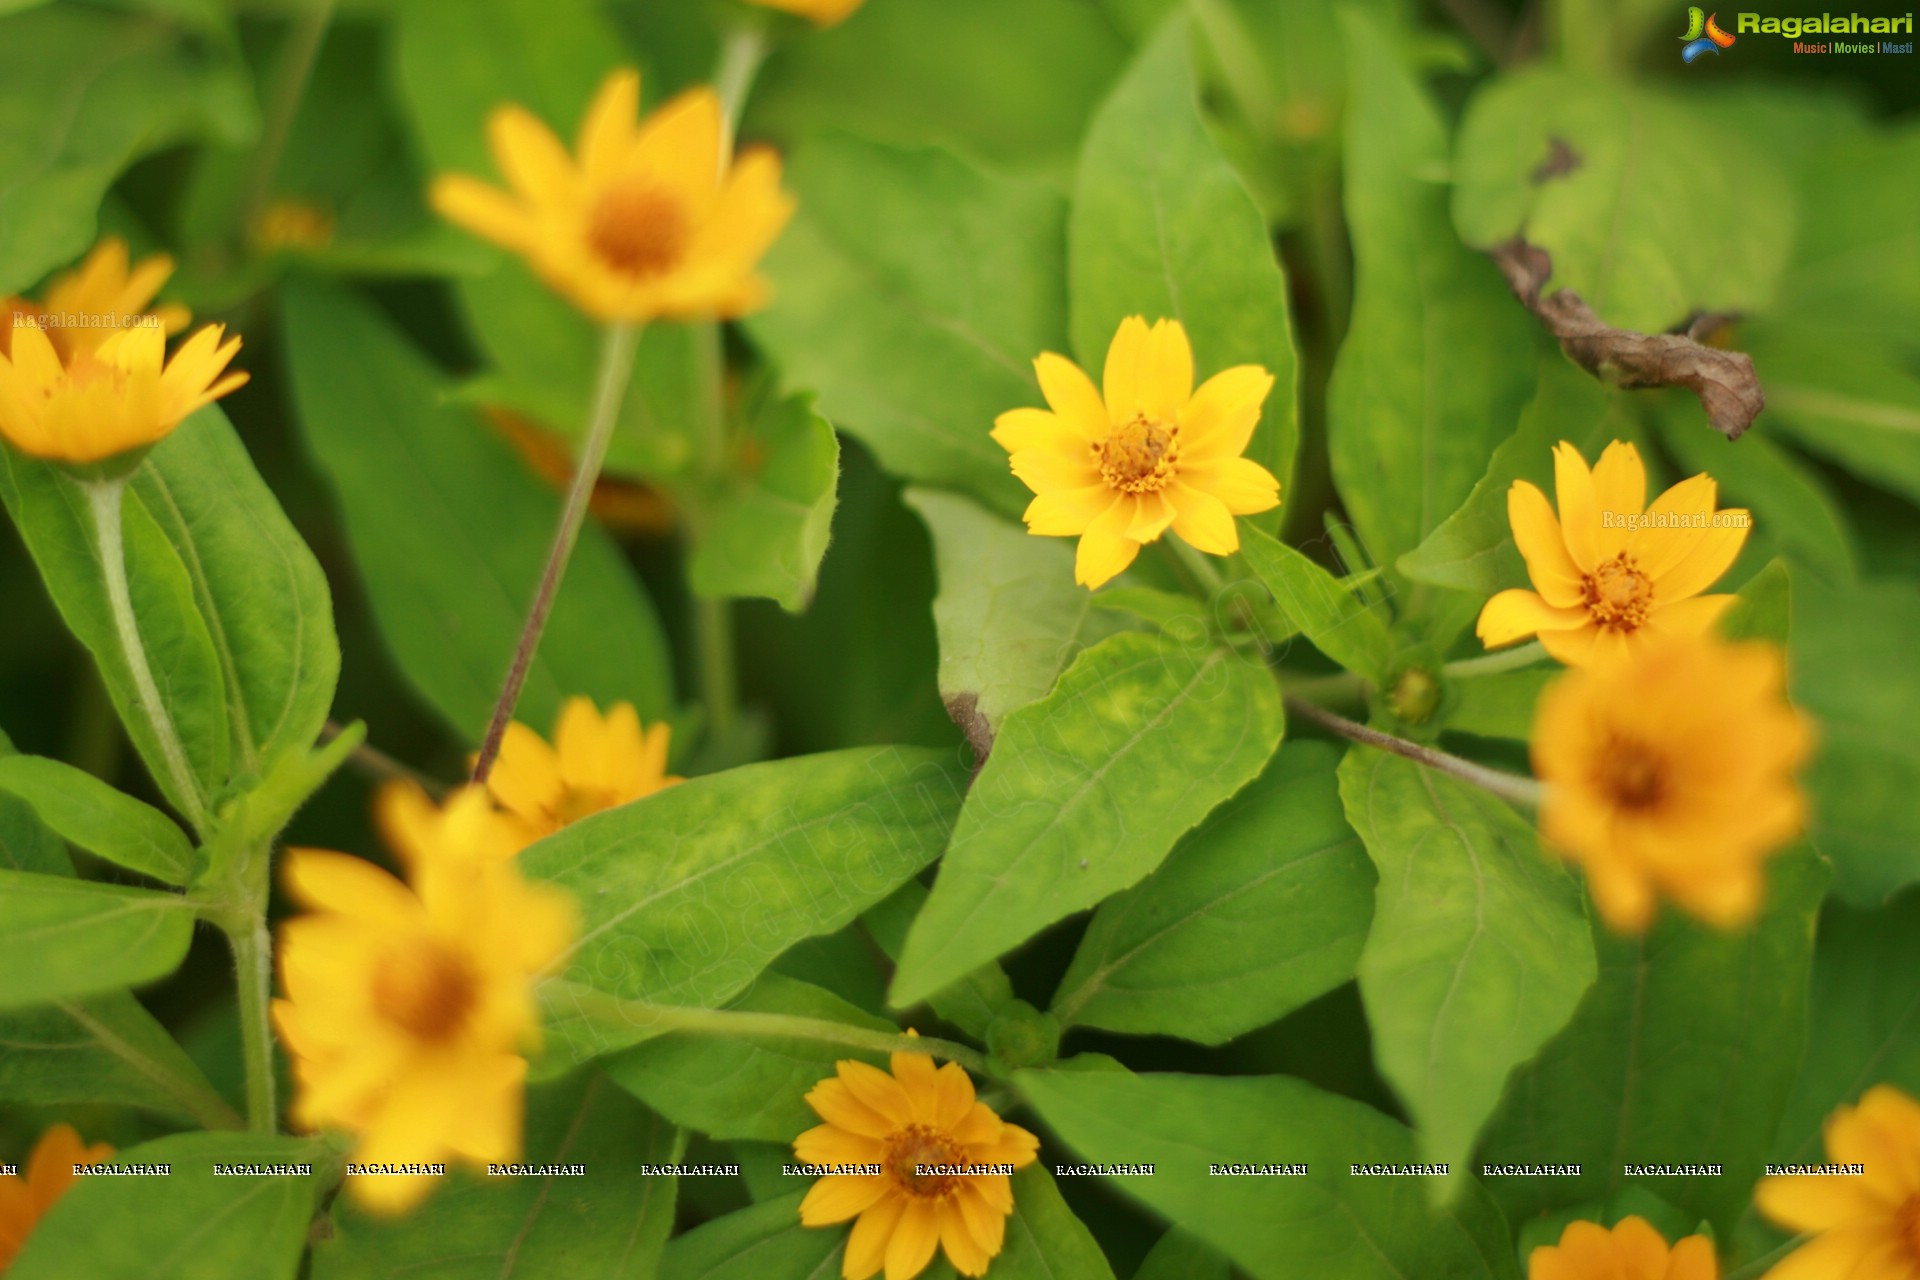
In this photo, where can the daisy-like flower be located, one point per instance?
(106, 293)
(123, 396)
(648, 221)
(1671, 773)
(1119, 466)
(594, 763)
(409, 1006)
(1610, 572)
(293, 224)
(1866, 1226)
(1632, 1250)
(24, 1201)
(824, 13)
(924, 1129)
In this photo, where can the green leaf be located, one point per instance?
(690, 893)
(1261, 908)
(915, 292)
(921, 72)
(82, 95)
(764, 1242)
(1436, 363)
(1501, 705)
(1009, 615)
(1320, 605)
(970, 1003)
(99, 819)
(1045, 1241)
(266, 602)
(750, 1087)
(1629, 224)
(104, 1048)
(1851, 655)
(56, 522)
(25, 842)
(1472, 549)
(188, 1225)
(1792, 511)
(1682, 1053)
(1863, 1025)
(1086, 792)
(1182, 1256)
(450, 530)
(1850, 400)
(1479, 951)
(1162, 227)
(1762, 609)
(1857, 260)
(61, 937)
(770, 531)
(611, 1221)
(1327, 1224)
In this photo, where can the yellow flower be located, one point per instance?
(1633, 1250)
(105, 294)
(1866, 1227)
(825, 13)
(594, 763)
(293, 224)
(24, 1201)
(650, 220)
(1610, 570)
(912, 1120)
(122, 396)
(1153, 453)
(408, 1006)
(1672, 772)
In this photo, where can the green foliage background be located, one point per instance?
(1255, 944)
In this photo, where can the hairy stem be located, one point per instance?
(1510, 787)
(616, 368)
(105, 497)
(713, 618)
(253, 978)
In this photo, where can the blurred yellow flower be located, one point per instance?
(1152, 453)
(408, 1006)
(293, 224)
(648, 221)
(1610, 571)
(418, 830)
(125, 395)
(922, 1127)
(594, 763)
(1633, 1250)
(1671, 772)
(105, 294)
(1865, 1224)
(826, 13)
(24, 1201)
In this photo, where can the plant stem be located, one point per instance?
(105, 497)
(1494, 663)
(712, 618)
(616, 368)
(253, 979)
(381, 767)
(298, 55)
(1198, 563)
(741, 58)
(1509, 787)
(753, 1026)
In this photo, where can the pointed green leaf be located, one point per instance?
(1086, 792)
(1854, 402)
(1321, 606)
(770, 530)
(25, 842)
(99, 819)
(1437, 361)
(970, 1003)
(1161, 226)
(104, 1048)
(1479, 951)
(61, 938)
(1261, 908)
(1181, 1255)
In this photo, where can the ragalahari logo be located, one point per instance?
(1712, 41)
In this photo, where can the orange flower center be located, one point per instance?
(918, 1147)
(426, 991)
(1907, 1219)
(1632, 776)
(638, 229)
(1139, 456)
(1617, 594)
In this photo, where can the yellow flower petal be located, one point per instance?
(1620, 485)
(1710, 557)
(1045, 469)
(1203, 520)
(1066, 512)
(867, 1244)
(1020, 429)
(486, 211)
(837, 1197)
(1243, 485)
(1220, 418)
(607, 131)
(914, 1239)
(1105, 549)
(1071, 395)
(1670, 535)
(1536, 532)
(529, 155)
(1165, 377)
(1842, 1253)
(1579, 506)
(968, 1255)
(1123, 382)
(1516, 614)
